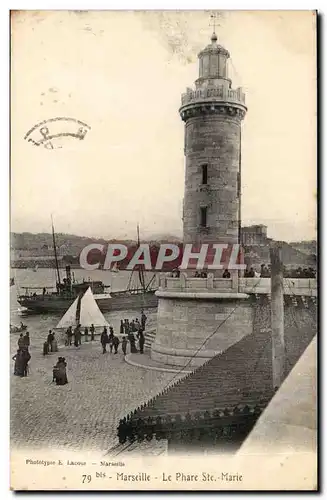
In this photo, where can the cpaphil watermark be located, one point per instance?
(163, 257)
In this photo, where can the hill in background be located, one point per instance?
(28, 247)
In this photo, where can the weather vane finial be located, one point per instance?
(214, 22)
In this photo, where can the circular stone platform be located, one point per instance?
(145, 361)
(194, 326)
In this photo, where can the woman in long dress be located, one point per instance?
(18, 367)
(21, 359)
(59, 372)
(25, 359)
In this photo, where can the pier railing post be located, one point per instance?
(277, 316)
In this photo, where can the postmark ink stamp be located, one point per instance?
(52, 133)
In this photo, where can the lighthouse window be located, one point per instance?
(203, 214)
(204, 173)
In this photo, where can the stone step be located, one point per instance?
(149, 338)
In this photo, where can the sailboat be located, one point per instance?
(138, 295)
(67, 290)
(84, 311)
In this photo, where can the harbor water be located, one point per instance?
(39, 324)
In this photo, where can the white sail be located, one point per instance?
(69, 318)
(90, 312)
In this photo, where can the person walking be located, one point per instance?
(104, 340)
(143, 320)
(131, 339)
(141, 341)
(54, 345)
(116, 343)
(92, 330)
(69, 335)
(111, 341)
(25, 359)
(45, 348)
(77, 336)
(50, 339)
(127, 328)
(20, 341)
(124, 345)
(27, 339)
(86, 334)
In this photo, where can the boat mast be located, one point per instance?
(55, 251)
(141, 272)
(78, 309)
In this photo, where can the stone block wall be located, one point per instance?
(183, 326)
(213, 140)
(211, 326)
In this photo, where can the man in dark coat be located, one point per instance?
(111, 341)
(141, 341)
(50, 339)
(77, 336)
(104, 340)
(226, 274)
(69, 335)
(131, 339)
(27, 339)
(20, 341)
(124, 345)
(143, 320)
(92, 330)
(115, 342)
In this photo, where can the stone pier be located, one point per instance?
(200, 317)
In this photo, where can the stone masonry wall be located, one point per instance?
(183, 326)
(213, 140)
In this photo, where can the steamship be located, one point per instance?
(136, 296)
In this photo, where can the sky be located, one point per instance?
(123, 73)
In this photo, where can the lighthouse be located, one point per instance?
(201, 317)
(212, 113)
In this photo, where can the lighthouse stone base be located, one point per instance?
(199, 318)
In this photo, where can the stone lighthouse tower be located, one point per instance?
(212, 113)
(199, 317)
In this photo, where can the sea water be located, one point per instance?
(38, 325)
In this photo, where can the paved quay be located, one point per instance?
(84, 414)
(145, 361)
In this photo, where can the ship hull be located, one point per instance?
(117, 302)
